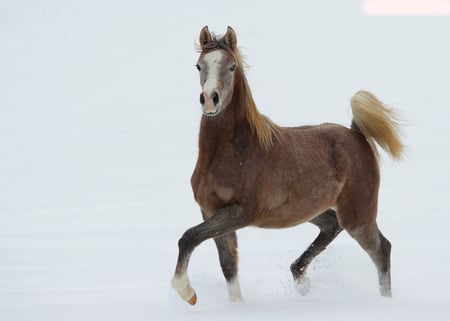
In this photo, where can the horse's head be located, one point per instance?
(217, 65)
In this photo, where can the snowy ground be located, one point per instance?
(98, 131)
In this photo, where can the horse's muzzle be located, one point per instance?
(210, 104)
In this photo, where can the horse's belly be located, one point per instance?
(298, 206)
(285, 217)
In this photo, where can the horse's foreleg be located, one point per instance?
(228, 256)
(226, 220)
(329, 229)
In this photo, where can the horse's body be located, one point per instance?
(251, 172)
(301, 176)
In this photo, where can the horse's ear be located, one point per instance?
(230, 38)
(205, 36)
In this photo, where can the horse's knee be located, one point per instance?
(188, 241)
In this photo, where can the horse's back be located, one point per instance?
(331, 138)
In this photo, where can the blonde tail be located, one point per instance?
(377, 122)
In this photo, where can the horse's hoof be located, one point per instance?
(182, 285)
(303, 285)
(193, 300)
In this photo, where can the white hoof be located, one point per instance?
(182, 285)
(234, 291)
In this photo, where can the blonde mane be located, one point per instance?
(260, 125)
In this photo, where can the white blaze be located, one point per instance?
(213, 60)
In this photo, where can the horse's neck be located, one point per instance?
(228, 129)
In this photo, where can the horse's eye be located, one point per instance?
(198, 67)
(233, 67)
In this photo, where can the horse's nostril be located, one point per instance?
(202, 99)
(215, 97)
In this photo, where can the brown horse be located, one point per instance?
(251, 172)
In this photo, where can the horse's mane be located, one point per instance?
(260, 125)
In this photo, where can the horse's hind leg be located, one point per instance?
(329, 229)
(228, 256)
(379, 250)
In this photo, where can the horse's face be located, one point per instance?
(216, 69)
(216, 78)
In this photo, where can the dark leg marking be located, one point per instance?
(228, 255)
(379, 249)
(227, 219)
(329, 229)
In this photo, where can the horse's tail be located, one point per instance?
(377, 122)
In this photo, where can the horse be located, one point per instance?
(252, 172)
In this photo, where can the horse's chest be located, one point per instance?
(214, 186)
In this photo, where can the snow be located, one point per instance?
(99, 120)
